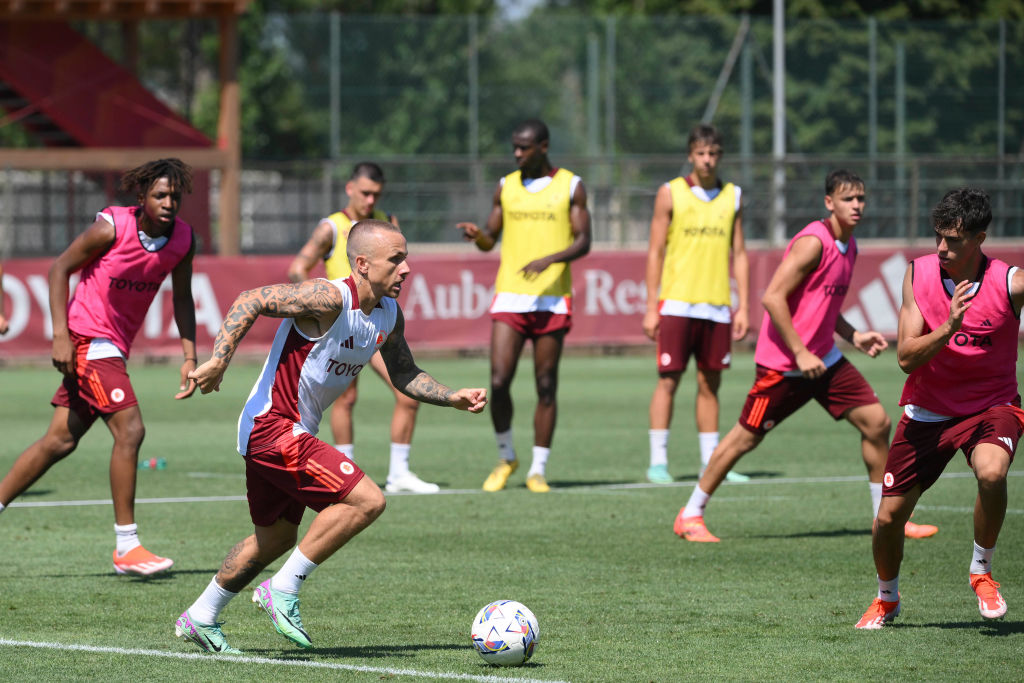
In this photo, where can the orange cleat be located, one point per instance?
(879, 614)
(912, 530)
(990, 602)
(693, 529)
(140, 562)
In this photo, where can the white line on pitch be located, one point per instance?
(244, 659)
(757, 481)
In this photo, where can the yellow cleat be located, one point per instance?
(499, 476)
(537, 483)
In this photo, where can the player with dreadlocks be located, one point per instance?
(123, 257)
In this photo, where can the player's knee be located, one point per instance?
(59, 446)
(347, 401)
(130, 435)
(372, 505)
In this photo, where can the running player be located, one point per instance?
(124, 257)
(331, 329)
(697, 223)
(797, 357)
(960, 318)
(327, 244)
(540, 213)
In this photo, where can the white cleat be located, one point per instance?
(409, 482)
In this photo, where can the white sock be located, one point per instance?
(296, 569)
(127, 537)
(506, 450)
(708, 443)
(698, 501)
(540, 460)
(208, 605)
(659, 446)
(399, 460)
(876, 496)
(2, 507)
(981, 563)
(889, 591)
(345, 448)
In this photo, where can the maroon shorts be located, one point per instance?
(99, 387)
(921, 450)
(285, 477)
(679, 336)
(535, 323)
(774, 396)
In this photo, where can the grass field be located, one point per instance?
(619, 597)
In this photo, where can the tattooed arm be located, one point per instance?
(314, 303)
(417, 384)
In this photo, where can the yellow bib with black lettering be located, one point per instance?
(696, 268)
(336, 262)
(535, 224)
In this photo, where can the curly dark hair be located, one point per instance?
(966, 209)
(139, 180)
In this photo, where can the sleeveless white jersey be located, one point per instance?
(303, 375)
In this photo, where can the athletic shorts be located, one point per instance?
(710, 343)
(99, 387)
(535, 323)
(294, 472)
(920, 451)
(774, 396)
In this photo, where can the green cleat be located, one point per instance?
(283, 609)
(736, 477)
(658, 474)
(208, 637)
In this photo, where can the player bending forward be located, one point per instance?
(332, 328)
(959, 319)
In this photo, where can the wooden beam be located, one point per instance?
(229, 140)
(108, 159)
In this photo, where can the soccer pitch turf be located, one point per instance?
(618, 596)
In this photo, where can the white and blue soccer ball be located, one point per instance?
(505, 633)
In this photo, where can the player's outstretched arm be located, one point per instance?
(415, 383)
(803, 257)
(84, 249)
(315, 301)
(870, 342)
(914, 347)
(661, 218)
(312, 252)
(487, 238)
(185, 319)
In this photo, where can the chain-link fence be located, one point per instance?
(914, 107)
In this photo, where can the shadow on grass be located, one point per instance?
(984, 628)
(131, 578)
(831, 533)
(366, 652)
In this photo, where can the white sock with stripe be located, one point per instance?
(698, 501)
(399, 465)
(506, 449)
(659, 446)
(889, 591)
(540, 460)
(208, 605)
(981, 562)
(127, 537)
(295, 571)
(708, 442)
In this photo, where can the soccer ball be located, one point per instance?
(505, 632)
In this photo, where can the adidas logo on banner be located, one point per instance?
(348, 343)
(877, 297)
